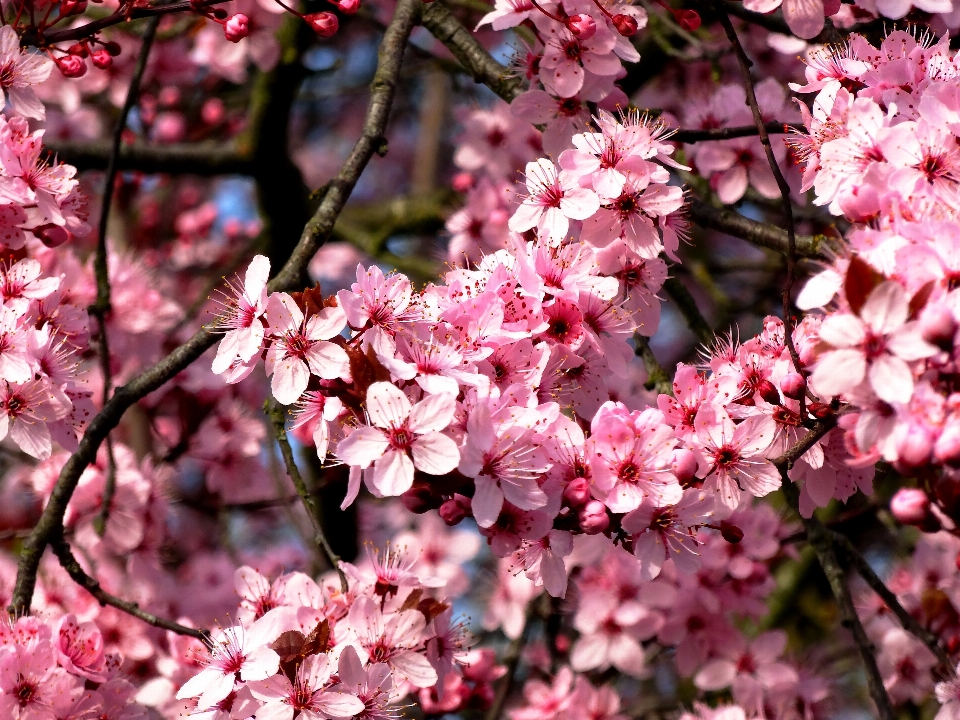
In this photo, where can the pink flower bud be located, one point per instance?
(101, 58)
(910, 506)
(689, 20)
(593, 518)
(72, 66)
(768, 391)
(236, 28)
(581, 25)
(577, 493)
(793, 385)
(730, 532)
(324, 24)
(212, 111)
(462, 182)
(938, 326)
(947, 448)
(683, 464)
(914, 447)
(453, 511)
(420, 499)
(625, 24)
(347, 7)
(52, 235)
(72, 7)
(831, 7)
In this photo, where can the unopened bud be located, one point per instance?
(683, 465)
(52, 235)
(914, 448)
(324, 24)
(420, 499)
(577, 492)
(462, 182)
(236, 28)
(947, 448)
(689, 20)
(219, 13)
(113, 48)
(793, 385)
(831, 7)
(910, 506)
(625, 25)
(72, 66)
(78, 49)
(101, 58)
(730, 532)
(455, 510)
(820, 410)
(347, 7)
(938, 326)
(593, 518)
(768, 391)
(582, 25)
(72, 7)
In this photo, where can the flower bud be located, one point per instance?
(914, 447)
(581, 25)
(212, 111)
(768, 391)
(219, 14)
(793, 385)
(820, 410)
(947, 448)
(420, 499)
(462, 182)
(72, 66)
(454, 510)
(347, 7)
(910, 506)
(113, 48)
(52, 235)
(101, 58)
(236, 28)
(730, 532)
(593, 518)
(689, 20)
(78, 49)
(625, 25)
(324, 24)
(938, 326)
(683, 465)
(577, 493)
(72, 7)
(831, 7)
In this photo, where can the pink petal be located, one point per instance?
(387, 406)
(886, 308)
(838, 371)
(393, 473)
(487, 502)
(891, 379)
(435, 453)
(362, 447)
(433, 413)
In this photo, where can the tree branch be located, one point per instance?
(821, 542)
(687, 306)
(695, 136)
(278, 419)
(765, 235)
(69, 563)
(657, 378)
(909, 623)
(472, 55)
(316, 232)
(179, 158)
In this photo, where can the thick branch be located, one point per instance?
(472, 55)
(762, 234)
(694, 136)
(278, 419)
(314, 235)
(178, 158)
(69, 563)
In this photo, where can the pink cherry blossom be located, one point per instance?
(555, 197)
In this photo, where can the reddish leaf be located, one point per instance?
(860, 281)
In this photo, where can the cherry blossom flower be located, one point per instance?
(555, 197)
(19, 71)
(372, 685)
(241, 317)
(401, 437)
(300, 347)
(308, 695)
(878, 344)
(668, 532)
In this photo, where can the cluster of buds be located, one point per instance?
(74, 63)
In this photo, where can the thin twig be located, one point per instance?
(69, 563)
(101, 307)
(687, 306)
(657, 378)
(821, 542)
(694, 136)
(512, 662)
(784, 187)
(909, 623)
(390, 57)
(278, 419)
